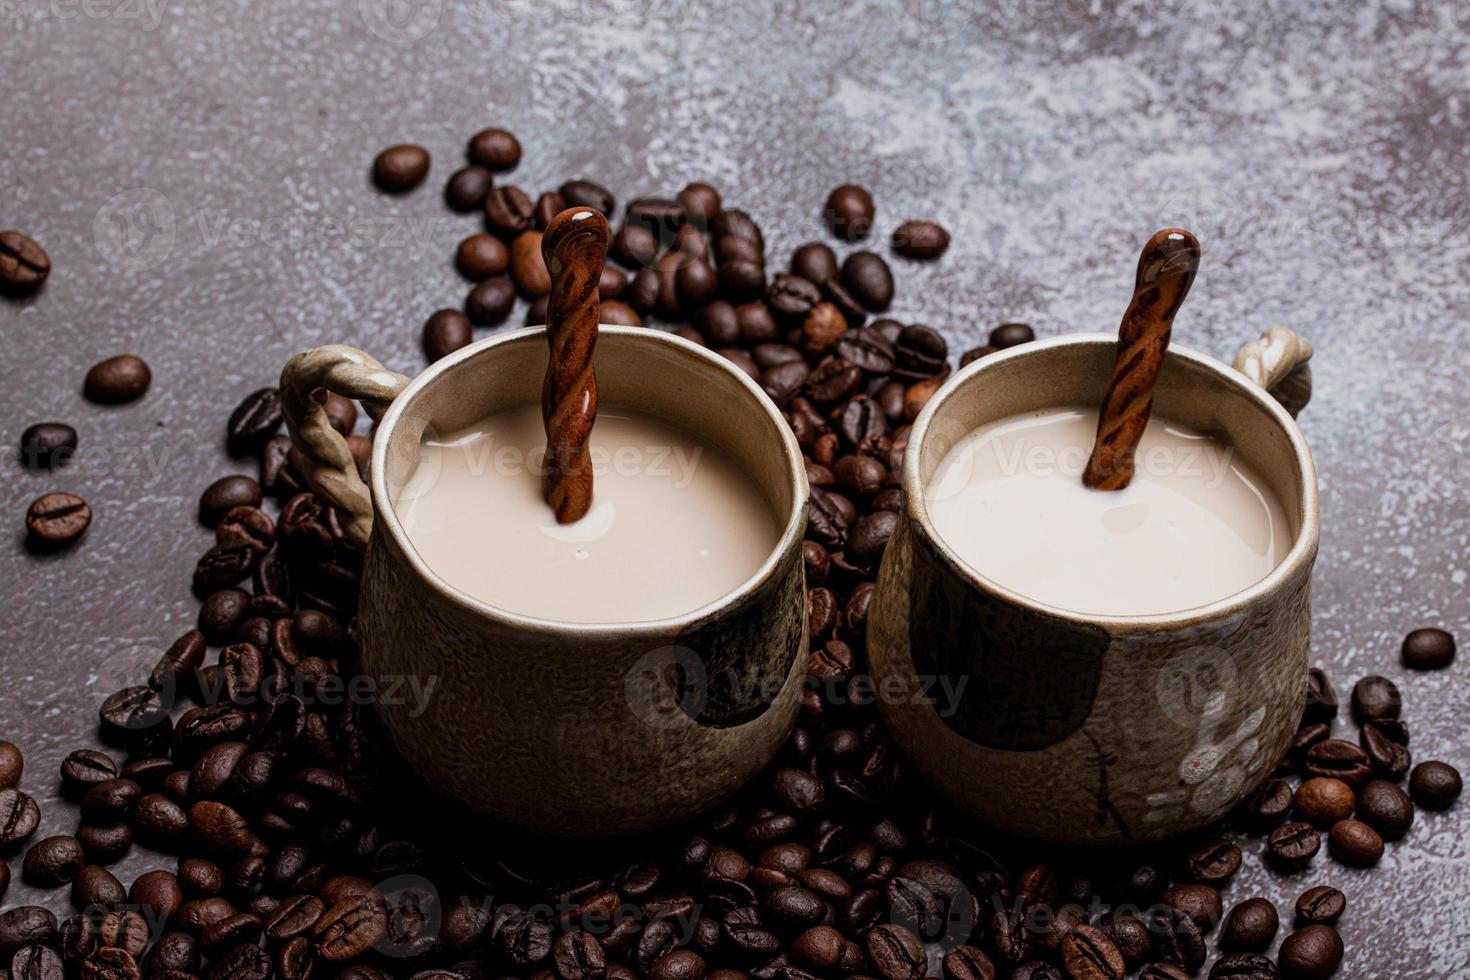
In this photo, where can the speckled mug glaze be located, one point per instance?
(1083, 729)
(583, 730)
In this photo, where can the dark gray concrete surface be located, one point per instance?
(198, 173)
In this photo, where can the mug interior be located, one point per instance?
(637, 368)
(1193, 389)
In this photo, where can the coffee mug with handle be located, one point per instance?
(1091, 729)
(568, 729)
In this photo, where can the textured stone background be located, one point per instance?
(198, 173)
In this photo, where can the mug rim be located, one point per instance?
(1304, 544)
(386, 518)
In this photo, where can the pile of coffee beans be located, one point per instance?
(299, 847)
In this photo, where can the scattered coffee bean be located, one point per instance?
(1387, 755)
(1354, 843)
(1213, 863)
(1435, 785)
(24, 264)
(1250, 927)
(1011, 335)
(1311, 953)
(1201, 903)
(467, 188)
(119, 379)
(37, 963)
(56, 519)
(814, 262)
(1338, 759)
(1321, 698)
(1088, 954)
(481, 256)
(700, 203)
(495, 149)
(47, 445)
(1428, 649)
(1374, 698)
(491, 301)
(401, 167)
(588, 194)
(849, 212)
(445, 332)
(1320, 905)
(1293, 845)
(527, 267)
(508, 211)
(920, 240)
(12, 765)
(53, 861)
(869, 279)
(1322, 801)
(224, 495)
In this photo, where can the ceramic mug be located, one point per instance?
(1086, 729)
(565, 728)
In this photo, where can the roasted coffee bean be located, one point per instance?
(246, 961)
(1321, 698)
(19, 816)
(490, 302)
(97, 887)
(157, 891)
(1243, 966)
(1435, 785)
(1011, 335)
(1271, 804)
(1428, 649)
(349, 928)
(508, 211)
(294, 917)
(1036, 970)
(578, 956)
(254, 421)
(1200, 902)
(200, 878)
(967, 963)
(173, 951)
(895, 952)
(868, 349)
(634, 246)
(12, 764)
(869, 279)
(27, 925)
(24, 264)
(700, 203)
(47, 445)
(784, 380)
(1250, 927)
(917, 396)
(467, 188)
(1293, 845)
(494, 149)
(849, 212)
(36, 963)
(481, 256)
(814, 262)
(105, 843)
(401, 167)
(695, 284)
(742, 280)
(792, 296)
(126, 930)
(1307, 736)
(446, 331)
(1375, 697)
(132, 712)
(225, 494)
(1388, 758)
(1321, 905)
(1323, 801)
(1311, 953)
(588, 194)
(1339, 759)
(527, 266)
(920, 240)
(112, 799)
(53, 861)
(734, 223)
(85, 768)
(56, 519)
(1213, 863)
(220, 826)
(1088, 954)
(118, 379)
(869, 536)
(921, 352)
(1178, 940)
(1354, 843)
(246, 527)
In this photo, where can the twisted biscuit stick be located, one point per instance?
(1166, 269)
(574, 246)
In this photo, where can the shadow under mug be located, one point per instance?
(567, 729)
(1086, 729)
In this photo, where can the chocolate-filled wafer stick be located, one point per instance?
(574, 246)
(1166, 269)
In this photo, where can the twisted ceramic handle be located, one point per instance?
(328, 463)
(1277, 361)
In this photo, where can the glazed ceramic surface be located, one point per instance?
(582, 729)
(1092, 729)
